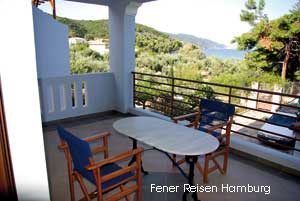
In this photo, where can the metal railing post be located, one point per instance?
(172, 97)
(229, 95)
(134, 90)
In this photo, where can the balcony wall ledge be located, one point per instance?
(141, 112)
(277, 159)
(77, 95)
(268, 156)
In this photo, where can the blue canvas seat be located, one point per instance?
(213, 117)
(106, 174)
(213, 114)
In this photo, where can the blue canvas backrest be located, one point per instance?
(79, 149)
(214, 111)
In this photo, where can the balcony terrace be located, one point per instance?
(46, 94)
(81, 106)
(242, 171)
(268, 168)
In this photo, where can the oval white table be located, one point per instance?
(169, 137)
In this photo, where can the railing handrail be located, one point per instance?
(76, 76)
(219, 85)
(170, 89)
(218, 93)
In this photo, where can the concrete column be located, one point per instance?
(21, 100)
(253, 95)
(122, 54)
(276, 98)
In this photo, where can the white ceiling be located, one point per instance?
(107, 2)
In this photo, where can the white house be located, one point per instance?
(99, 45)
(76, 40)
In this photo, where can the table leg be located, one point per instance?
(133, 159)
(191, 160)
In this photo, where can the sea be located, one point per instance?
(225, 53)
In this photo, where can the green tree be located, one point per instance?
(274, 44)
(296, 7)
(85, 60)
(254, 12)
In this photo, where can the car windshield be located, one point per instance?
(282, 120)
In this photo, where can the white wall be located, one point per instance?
(122, 55)
(57, 100)
(267, 153)
(21, 100)
(52, 45)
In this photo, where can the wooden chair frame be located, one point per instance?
(211, 156)
(95, 167)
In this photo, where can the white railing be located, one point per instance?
(76, 95)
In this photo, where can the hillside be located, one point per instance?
(158, 53)
(99, 29)
(147, 38)
(201, 42)
(86, 28)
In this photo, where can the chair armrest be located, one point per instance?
(218, 126)
(62, 146)
(214, 127)
(104, 136)
(115, 159)
(96, 137)
(98, 149)
(183, 117)
(194, 123)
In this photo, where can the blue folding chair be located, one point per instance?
(106, 175)
(213, 117)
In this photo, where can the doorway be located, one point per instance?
(7, 182)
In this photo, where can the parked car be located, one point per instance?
(279, 120)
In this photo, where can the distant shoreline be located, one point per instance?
(225, 53)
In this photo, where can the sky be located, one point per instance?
(217, 20)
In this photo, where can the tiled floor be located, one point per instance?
(241, 171)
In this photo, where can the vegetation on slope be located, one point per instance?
(85, 60)
(157, 52)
